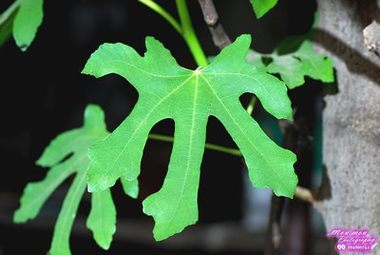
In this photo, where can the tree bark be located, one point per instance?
(351, 119)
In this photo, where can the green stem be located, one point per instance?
(161, 11)
(189, 35)
(251, 104)
(184, 27)
(214, 147)
(300, 193)
(8, 12)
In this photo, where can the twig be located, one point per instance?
(272, 246)
(211, 18)
(251, 104)
(304, 195)
(300, 193)
(210, 146)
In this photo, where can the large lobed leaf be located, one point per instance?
(23, 17)
(75, 144)
(189, 97)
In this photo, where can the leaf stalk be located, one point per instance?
(8, 12)
(189, 35)
(163, 13)
(184, 27)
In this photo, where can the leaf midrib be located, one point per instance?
(196, 85)
(106, 172)
(240, 74)
(66, 218)
(150, 73)
(63, 174)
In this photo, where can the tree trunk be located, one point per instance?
(351, 121)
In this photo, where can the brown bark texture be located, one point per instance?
(351, 118)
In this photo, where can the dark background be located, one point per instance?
(44, 94)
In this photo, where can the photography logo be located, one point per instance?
(353, 240)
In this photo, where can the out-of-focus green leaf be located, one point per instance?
(27, 21)
(293, 59)
(73, 144)
(102, 218)
(305, 61)
(24, 17)
(6, 25)
(261, 7)
(131, 188)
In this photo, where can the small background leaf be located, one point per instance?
(23, 18)
(131, 188)
(261, 7)
(303, 62)
(73, 144)
(6, 25)
(28, 19)
(102, 218)
(293, 59)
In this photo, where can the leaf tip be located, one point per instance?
(94, 117)
(158, 237)
(238, 50)
(87, 69)
(150, 40)
(102, 243)
(18, 218)
(98, 184)
(290, 191)
(262, 7)
(130, 187)
(292, 179)
(45, 161)
(21, 216)
(244, 39)
(93, 65)
(161, 234)
(152, 43)
(26, 23)
(94, 186)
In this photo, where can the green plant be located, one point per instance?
(74, 145)
(189, 97)
(167, 90)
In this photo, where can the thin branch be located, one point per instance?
(219, 36)
(272, 246)
(252, 104)
(304, 195)
(210, 146)
(189, 35)
(211, 18)
(300, 193)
